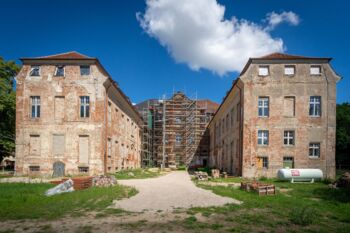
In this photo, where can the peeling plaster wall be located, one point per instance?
(307, 129)
(71, 125)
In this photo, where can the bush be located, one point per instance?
(302, 215)
(263, 178)
(181, 168)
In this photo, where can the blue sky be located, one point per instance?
(144, 68)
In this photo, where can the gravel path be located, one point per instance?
(174, 190)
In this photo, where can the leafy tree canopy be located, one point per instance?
(8, 70)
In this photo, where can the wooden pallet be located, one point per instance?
(260, 188)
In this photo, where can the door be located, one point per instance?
(84, 149)
(58, 169)
(288, 162)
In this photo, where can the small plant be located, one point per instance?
(263, 178)
(327, 181)
(302, 216)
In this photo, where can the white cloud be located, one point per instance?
(196, 33)
(275, 19)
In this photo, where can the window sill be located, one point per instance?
(314, 158)
(315, 117)
(263, 146)
(264, 117)
(289, 146)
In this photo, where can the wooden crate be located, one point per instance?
(260, 188)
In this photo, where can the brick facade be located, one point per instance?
(60, 133)
(289, 98)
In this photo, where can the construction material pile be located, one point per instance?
(215, 173)
(201, 175)
(104, 181)
(81, 183)
(260, 188)
(343, 181)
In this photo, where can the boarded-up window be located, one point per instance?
(58, 145)
(35, 145)
(84, 149)
(59, 107)
(289, 106)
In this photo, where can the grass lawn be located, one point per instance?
(137, 174)
(27, 201)
(295, 208)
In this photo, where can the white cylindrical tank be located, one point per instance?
(299, 174)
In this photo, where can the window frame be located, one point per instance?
(32, 69)
(56, 70)
(288, 137)
(288, 158)
(178, 140)
(314, 149)
(264, 66)
(35, 104)
(289, 66)
(319, 69)
(263, 137)
(264, 163)
(263, 107)
(313, 111)
(85, 66)
(85, 105)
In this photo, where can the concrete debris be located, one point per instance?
(215, 173)
(131, 174)
(64, 187)
(201, 175)
(104, 181)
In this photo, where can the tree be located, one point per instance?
(8, 70)
(343, 135)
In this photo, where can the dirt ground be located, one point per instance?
(158, 207)
(174, 190)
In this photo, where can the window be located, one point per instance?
(109, 112)
(178, 140)
(289, 106)
(83, 169)
(84, 106)
(263, 162)
(315, 70)
(84, 70)
(263, 106)
(35, 106)
(59, 71)
(289, 70)
(178, 120)
(263, 70)
(314, 150)
(35, 71)
(58, 145)
(315, 106)
(288, 138)
(109, 152)
(34, 168)
(263, 137)
(34, 145)
(288, 162)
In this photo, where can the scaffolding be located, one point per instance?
(177, 130)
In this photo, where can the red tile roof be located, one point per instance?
(67, 55)
(281, 56)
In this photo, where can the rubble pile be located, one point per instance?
(104, 181)
(201, 175)
(343, 181)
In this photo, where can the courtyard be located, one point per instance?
(172, 202)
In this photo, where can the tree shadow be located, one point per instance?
(330, 194)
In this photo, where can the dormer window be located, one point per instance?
(84, 70)
(315, 70)
(59, 71)
(289, 70)
(263, 70)
(35, 71)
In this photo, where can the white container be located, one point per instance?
(295, 175)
